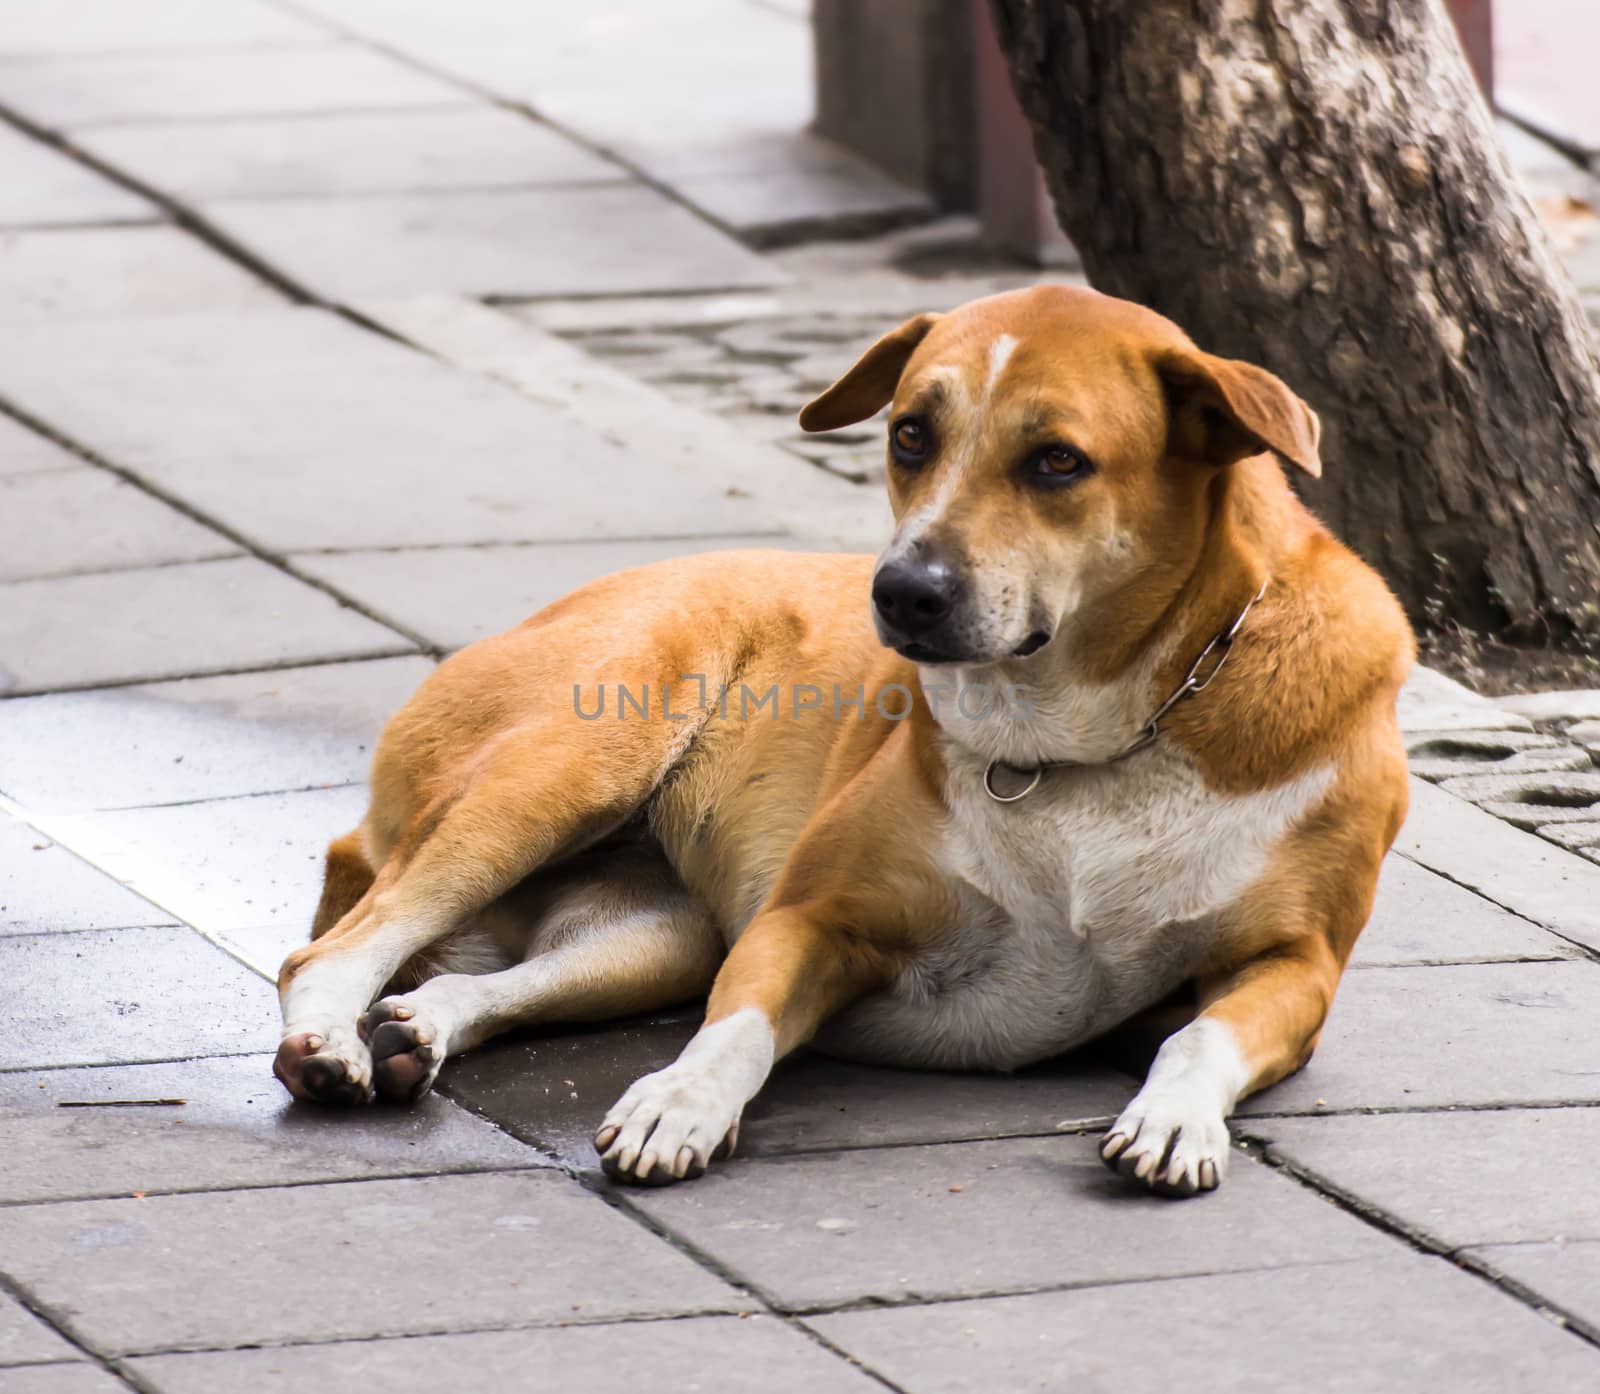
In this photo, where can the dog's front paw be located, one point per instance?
(325, 1067)
(670, 1126)
(1175, 1144)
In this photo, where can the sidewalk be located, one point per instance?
(321, 356)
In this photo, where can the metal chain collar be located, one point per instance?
(1215, 653)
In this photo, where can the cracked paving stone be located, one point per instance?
(497, 1249)
(905, 1224)
(26, 452)
(1566, 1274)
(40, 186)
(236, 1127)
(25, 1340)
(595, 1359)
(1469, 753)
(1458, 1178)
(112, 996)
(1533, 800)
(77, 1378)
(1400, 1322)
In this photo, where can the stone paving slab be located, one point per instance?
(263, 948)
(121, 88)
(1513, 868)
(307, 1263)
(707, 1355)
(1576, 704)
(279, 422)
(169, 621)
(916, 1223)
(1567, 1275)
(43, 886)
(552, 242)
(237, 1127)
(103, 997)
(68, 521)
(40, 187)
(1457, 1179)
(1483, 1034)
(62, 1379)
(553, 1090)
(25, 1340)
(225, 863)
(1420, 918)
(201, 738)
(452, 596)
(113, 26)
(1402, 1322)
(27, 452)
(354, 153)
(55, 274)
(768, 208)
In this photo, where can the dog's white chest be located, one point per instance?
(1086, 901)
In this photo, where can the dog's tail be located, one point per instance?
(347, 877)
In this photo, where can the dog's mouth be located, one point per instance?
(1032, 644)
(925, 653)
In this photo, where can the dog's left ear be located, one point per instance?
(871, 383)
(1221, 410)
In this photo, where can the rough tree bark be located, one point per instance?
(1315, 185)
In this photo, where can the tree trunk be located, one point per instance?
(1316, 186)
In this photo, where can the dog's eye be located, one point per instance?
(1059, 464)
(908, 438)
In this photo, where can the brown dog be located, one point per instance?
(1001, 821)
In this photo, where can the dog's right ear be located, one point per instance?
(871, 383)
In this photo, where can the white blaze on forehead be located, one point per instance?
(1000, 352)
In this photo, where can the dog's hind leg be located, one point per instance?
(612, 933)
(346, 877)
(544, 795)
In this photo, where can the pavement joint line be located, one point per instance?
(62, 1327)
(1584, 951)
(130, 1064)
(51, 225)
(176, 501)
(1416, 1238)
(230, 555)
(518, 544)
(243, 670)
(296, 1184)
(212, 798)
(191, 221)
(236, 118)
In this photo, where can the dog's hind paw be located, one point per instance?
(406, 1051)
(332, 1067)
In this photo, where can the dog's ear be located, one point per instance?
(871, 383)
(1221, 410)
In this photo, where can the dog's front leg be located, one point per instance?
(790, 970)
(1257, 1025)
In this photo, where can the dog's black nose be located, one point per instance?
(914, 596)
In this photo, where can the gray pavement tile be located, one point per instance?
(334, 156)
(109, 996)
(708, 1355)
(41, 187)
(765, 207)
(201, 738)
(1429, 701)
(1419, 917)
(1570, 704)
(25, 1340)
(222, 864)
(68, 521)
(453, 596)
(263, 948)
(27, 452)
(99, 272)
(1402, 1322)
(489, 1250)
(172, 621)
(302, 431)
(108, 89)
(110, 26)
(554, 1089)
(43, 887)
(549, 242)
(909, 1223)
(1458, 1178)
(1512, 868)
(236, 1128)
(1567, 1275)
(1435, 1037)
(62, 1379)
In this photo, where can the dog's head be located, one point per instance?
(1051, 453)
